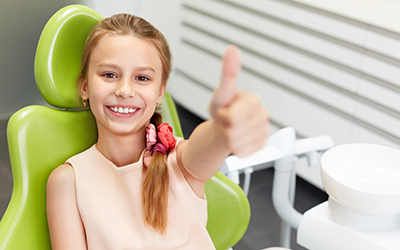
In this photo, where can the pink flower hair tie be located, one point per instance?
(166, 136)
(162, 141)
(159, 147)
(151, 136)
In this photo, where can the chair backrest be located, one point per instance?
(41, 138)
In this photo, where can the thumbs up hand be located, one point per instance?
(226, 92)
(239, 117)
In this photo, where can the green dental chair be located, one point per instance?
(41, 138)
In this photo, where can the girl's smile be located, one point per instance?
(122, 110)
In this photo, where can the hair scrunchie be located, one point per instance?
(151, 136)
(159, 147)
(166, 136)
(162, 141)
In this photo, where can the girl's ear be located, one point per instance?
(84, 90)
(161, 92)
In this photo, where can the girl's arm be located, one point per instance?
(65, 225)
(239, 126)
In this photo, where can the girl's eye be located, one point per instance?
(142, 78)
(109, 75)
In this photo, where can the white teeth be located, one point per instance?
(123, 110)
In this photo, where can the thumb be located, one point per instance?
(226, 91)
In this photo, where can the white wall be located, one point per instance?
(108, 8)
(317, 70)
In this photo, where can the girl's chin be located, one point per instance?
(125, 125)
(119, 128)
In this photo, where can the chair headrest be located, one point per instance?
(59, 53)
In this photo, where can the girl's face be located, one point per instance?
(124, 83)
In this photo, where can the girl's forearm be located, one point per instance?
(205, 151)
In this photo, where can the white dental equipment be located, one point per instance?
(363, 210)
(362, 180)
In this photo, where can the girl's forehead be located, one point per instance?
(124, 49)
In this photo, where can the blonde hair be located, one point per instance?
(156, 182)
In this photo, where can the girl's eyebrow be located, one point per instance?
(144, 68)
(115, 66)
(107, 65)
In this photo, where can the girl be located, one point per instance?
(139, 187)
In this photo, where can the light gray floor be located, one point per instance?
(263, 230)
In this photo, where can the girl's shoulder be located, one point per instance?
(61, 200)
(62, 177)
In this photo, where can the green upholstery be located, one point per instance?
(228, 211)
(59, 53)
(41, 138)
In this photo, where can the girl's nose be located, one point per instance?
(125, 88)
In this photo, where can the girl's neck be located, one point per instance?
(121, 149)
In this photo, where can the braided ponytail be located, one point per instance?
(155, 189)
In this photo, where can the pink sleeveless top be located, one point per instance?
(109, 202)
